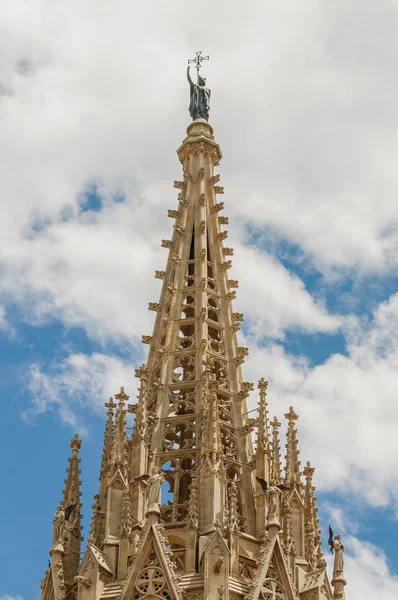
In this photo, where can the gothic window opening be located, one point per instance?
(216, 342)
(184, 368)
(188, 307)
(219, 369)
(190, 275)
(209, 255)
(224, 408)
(179, 474)
(178, 436)
(213, 309)
(228, 440)
(211, 282)
(182, 401)
(192, 247)
(167, 489)
(185, 342)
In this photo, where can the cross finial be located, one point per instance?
(198, 61)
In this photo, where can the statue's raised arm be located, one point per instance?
(191, 83)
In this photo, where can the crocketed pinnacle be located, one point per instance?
(263, 445)
(97, 527)
(108, 436)
(72, 493)
(71, 504)
(292, 467)
(313, 550)
(276, 468)
(118, 455)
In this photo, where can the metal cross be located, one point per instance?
(198, 61)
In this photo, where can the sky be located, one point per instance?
(93, 105)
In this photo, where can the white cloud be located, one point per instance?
(104, 100)
(9, 597)
(302, 107)
(77, 382)
(367, 571)
(347, 407)
(275, 300)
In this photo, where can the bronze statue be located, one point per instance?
(199, 104)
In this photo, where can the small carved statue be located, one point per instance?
(199, 104)
(218, 564)
(58, 525)
(273, 510)
(155, 483)
(338, 556)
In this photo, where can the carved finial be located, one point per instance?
(142, 372)
(262, 385)
(75, 443)
(110, 405)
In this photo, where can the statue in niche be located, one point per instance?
(273, 505)
(155, 483)
(338, 548)
(199, 104)
(58, 525)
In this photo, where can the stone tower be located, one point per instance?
(187, 507)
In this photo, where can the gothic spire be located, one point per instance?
(97, 528)
(292, 466)
(189, 468)
(71, 504)
(108, 435)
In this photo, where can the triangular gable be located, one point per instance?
(152, 571)
(273, 577)
(313, 579)
(294, 495)
(117, 480)
(317, 580)
(215, 540)
(94, 559)
(100, 558)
